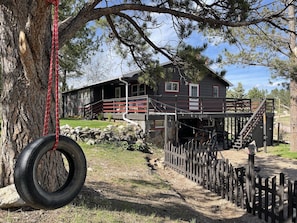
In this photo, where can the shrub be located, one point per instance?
(109, 117)
(100, 116)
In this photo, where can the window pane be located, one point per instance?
(168, 86)
(134, 90)
(215, 90)
(141, 89)
(172, 86)
(194, 91)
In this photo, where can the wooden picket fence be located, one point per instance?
(271, 199)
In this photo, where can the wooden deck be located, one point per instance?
(182, 106)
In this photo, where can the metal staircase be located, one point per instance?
(245, 134)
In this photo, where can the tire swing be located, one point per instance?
(25, 175)
(29, 160)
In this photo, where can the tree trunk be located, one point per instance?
(293, 81)
(25, 37)
(293, 116)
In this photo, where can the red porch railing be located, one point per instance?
(118, 105)
(177, 103)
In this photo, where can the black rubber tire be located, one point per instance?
(26, 167)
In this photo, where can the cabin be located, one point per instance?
(178, 109)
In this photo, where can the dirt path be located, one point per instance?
(267, 164)
(220, 210)
(208, 206)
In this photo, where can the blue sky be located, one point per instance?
(250, 76)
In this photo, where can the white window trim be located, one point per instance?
(218, 91)
(171, 83)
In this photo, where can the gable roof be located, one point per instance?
(137, 72)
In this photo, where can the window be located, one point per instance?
(215, 91)
(159, 124)
(141, 89)
(117, 92)
(134, 90)
(170, 70)
(137, 89)
(172, 86)
(156, 124)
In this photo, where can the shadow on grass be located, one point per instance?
(164, 205)
(174, 211)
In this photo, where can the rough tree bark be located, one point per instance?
(25, 33)
(293, 81)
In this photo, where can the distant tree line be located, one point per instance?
(282, 95)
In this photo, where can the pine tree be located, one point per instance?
(25, 36)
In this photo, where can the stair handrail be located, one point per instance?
(243, 133)
(92, 103)
(87, 108)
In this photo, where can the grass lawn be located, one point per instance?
(117, 173)
(282, 150)
(118, 188)
(87, 123)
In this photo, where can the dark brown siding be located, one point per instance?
(206, 87)
(174, 77)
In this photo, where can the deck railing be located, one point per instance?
(176, 103)
(171, 104)
(138, 104)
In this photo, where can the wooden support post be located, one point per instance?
(278, 133)
(264, 132)
(176, 126)
(165, 130)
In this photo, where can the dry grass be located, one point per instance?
(122, 187)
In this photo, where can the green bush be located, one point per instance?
(100, 116)
(109, 117)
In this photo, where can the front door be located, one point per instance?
(193, 97)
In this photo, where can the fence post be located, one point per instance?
(294, 203)
(281, 197)
(273, 199)
(260, 194)
(266, 204)
(250, 183)
(166, 129)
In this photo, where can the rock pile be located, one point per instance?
(131, 137)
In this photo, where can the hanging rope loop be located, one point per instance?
(54, 68)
